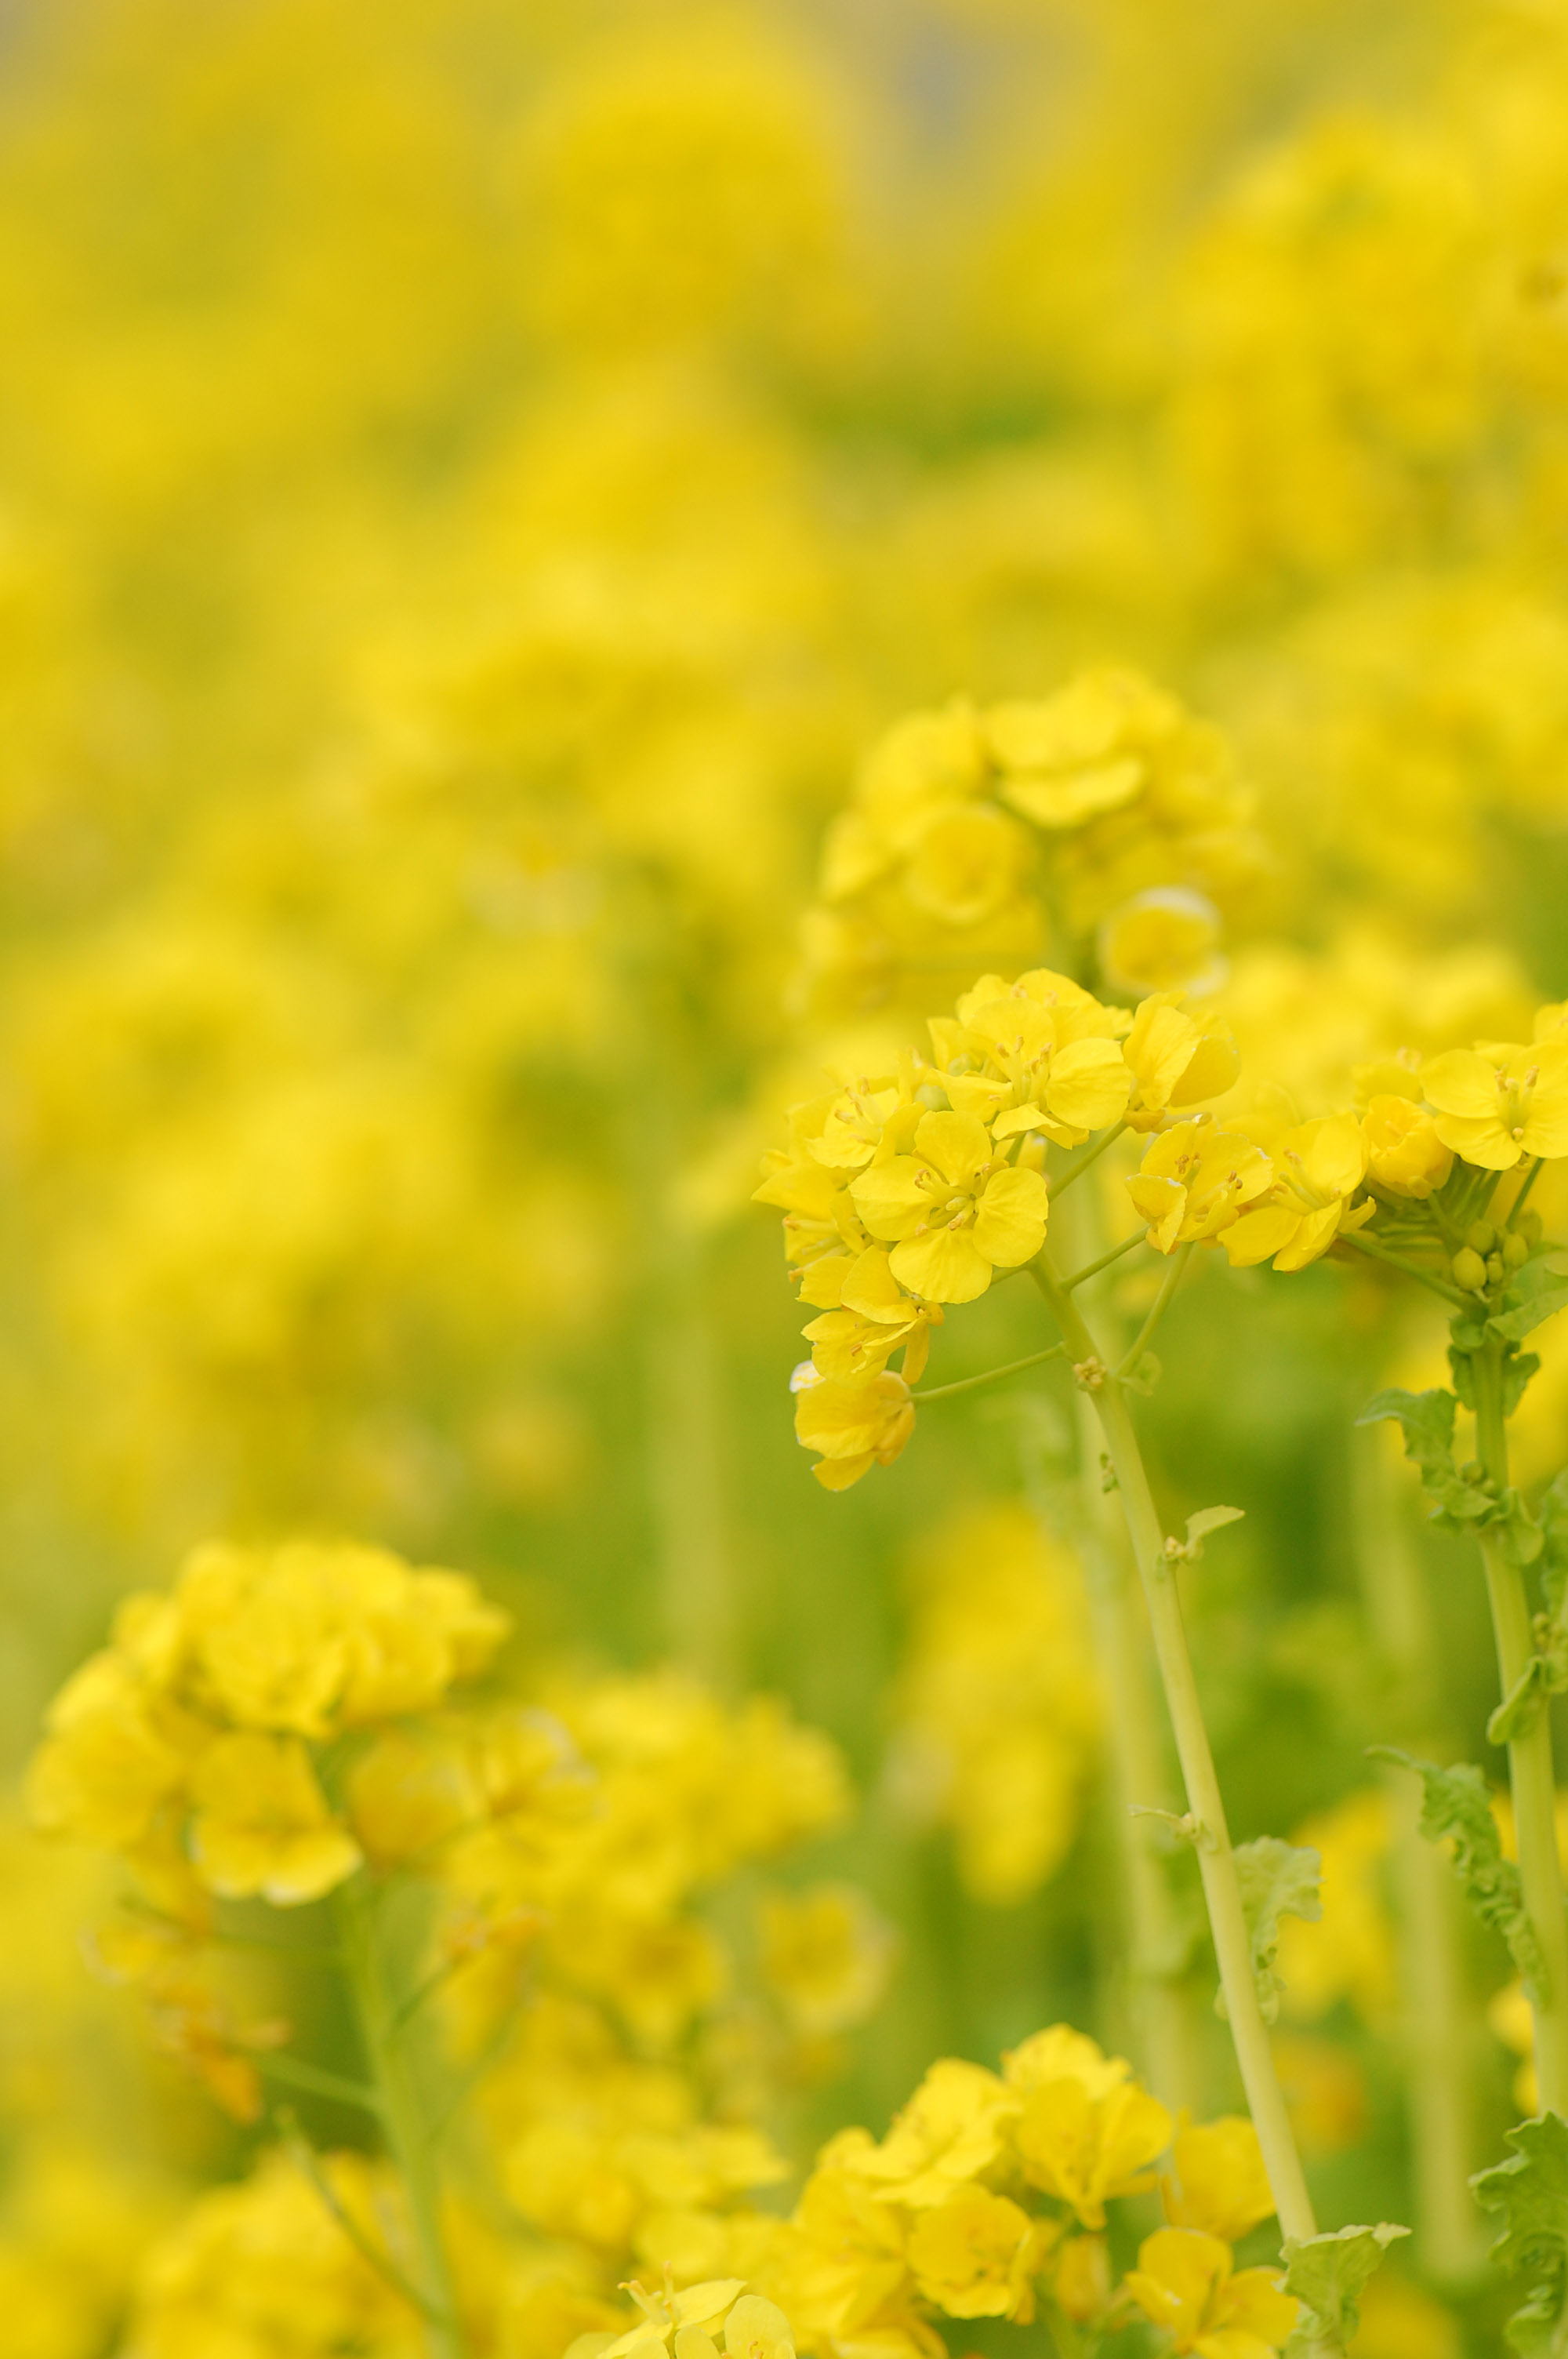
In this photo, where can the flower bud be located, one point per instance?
(1494, 1269)
(1469, 1270)
(1528, 1225)
(1481, 1237)
(1515, 1250)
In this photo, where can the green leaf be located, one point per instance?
(1328, 2275)
(1518, 1369)
(1533, 1293)
(1144, 1379)
(1276, 1879)
(1427, 1420)
(1455, 1802)
(1210, 1519)
(1531, 2191)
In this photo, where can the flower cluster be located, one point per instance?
(988, 2198)
(911, 1191)
(1105, 804)
(906, 1191)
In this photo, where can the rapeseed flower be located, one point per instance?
(1498, 1102)
(1318, 1167)
(953, 1208)
(1186, 2282)
(1195, 1179)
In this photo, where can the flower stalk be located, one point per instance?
(410, 2141)
(1222, 1891)
(1530, 1773)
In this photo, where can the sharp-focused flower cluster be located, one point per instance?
(908, 1191)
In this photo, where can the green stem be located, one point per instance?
(1076, 1169)
(1152, 1935)
(1436, 2038)
(1157, 1947)
(1216, 1864)
(923, 1393)
(1095, 1268)
(1365, 1245)
(1168, 1286)
(1519, 1202)
(297, 2073)
(409, 2141)
(1530, 1773)
(310, 2167)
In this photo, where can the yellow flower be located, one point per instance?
(1070, 756)
(849, 2261)
(1498, 1101)
(406, 1796)
(1177, 1060)
(1220, 2184)
(1184, 2281)
(664, 2315)
(1194, 1179)
(956, 1210)
(977, 2254)
(1166, 939)
(874, 1319)
(825, 1955)
(1039, 1054)
(1318, 1167)
(853, 1426)
(263, 1824)
(1404, 1153)
(106, 1768)
(1084, 2145)
(951, 2130)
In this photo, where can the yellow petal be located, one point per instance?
(955, 1143)
(945, 1265)
(1010, 1225)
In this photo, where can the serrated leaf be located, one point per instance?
(1328, 2275)
(1210, 1519)
(1455, 1803)
(1531, 2191)
(1427, 1421)
(1276, 1879)
(1535, 1292)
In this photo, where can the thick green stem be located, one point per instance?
(1216, 1864)
(1436, 2037)
(409, 2140)
(1531, 1774)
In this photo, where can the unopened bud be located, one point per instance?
(1480, 1237)
(1515, 1249)
(1528, 1225)
(1495, 1268)
(1469, 1270)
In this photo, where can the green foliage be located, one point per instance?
(1426, 1420)
(1459, 1503)
(1534, 1293)
(1276, 1879)
(1455, 1802)
(1531, 2191)
(1328, 2275)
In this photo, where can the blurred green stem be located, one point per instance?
(1216, 1864)
(1436, 2034)
(410, 2143)
(1158, 2007)
(1530, 1773)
